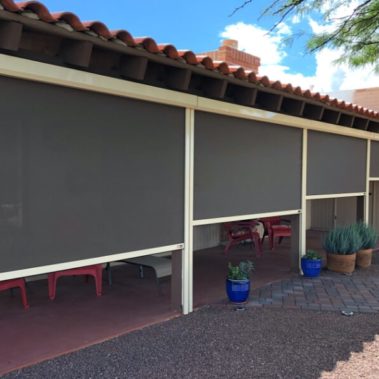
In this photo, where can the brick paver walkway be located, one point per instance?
(329, 292)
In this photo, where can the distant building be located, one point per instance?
(228, 52)
(366, 97)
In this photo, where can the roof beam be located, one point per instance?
(10, 35)
(245, 96)
(346, 120)
(214, 88)
(77, 53)
(360, 123)
(178, 79)
(373, 126)
(330, 116)
(292, 106)
(268, 100)
(133, 67)
(314, 112)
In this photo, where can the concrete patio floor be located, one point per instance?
(77, 318)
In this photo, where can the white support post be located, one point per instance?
(303, 214)
(187, 262)
(366, 201)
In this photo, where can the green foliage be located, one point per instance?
(343, 240)
(312, 254)
(241, 271)
(350, 26)
(368, 235)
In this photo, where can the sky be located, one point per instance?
(201, 26)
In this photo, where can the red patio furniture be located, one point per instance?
(13, 283)
(95, 270)
(276, 227)
(242, 231)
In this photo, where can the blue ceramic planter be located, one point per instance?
(238, 290)
(311, 267)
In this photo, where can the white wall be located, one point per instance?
(309, 214)
(346, 211)
(322, 214)
(206, 236)
(374, 205)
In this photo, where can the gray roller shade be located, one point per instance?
(336, 164)
(86, 175)
(244, 167)
(374, 164)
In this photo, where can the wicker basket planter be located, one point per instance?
(343, 263)
(341, 244)
(364, 258)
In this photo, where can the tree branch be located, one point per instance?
(243, 5)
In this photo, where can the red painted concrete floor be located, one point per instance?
(77, 318)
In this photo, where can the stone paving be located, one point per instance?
(358, 292)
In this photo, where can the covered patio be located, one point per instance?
(123, 149)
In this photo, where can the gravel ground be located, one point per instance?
(219, 342)
(364, 364)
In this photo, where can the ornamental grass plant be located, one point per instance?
(368, 235)
(343, 240)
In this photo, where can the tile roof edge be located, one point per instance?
(170, 51)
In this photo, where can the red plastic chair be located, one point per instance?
(242, 231)
(275, 228)
(95, 270)
(13, 283)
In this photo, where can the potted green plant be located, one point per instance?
(341, 245)
(369, 238)
(238, 281)
(311, 264)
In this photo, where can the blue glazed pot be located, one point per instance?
(311, 267)
(238, 290)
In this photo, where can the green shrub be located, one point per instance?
(343, 240)
(241, 271)
(312, 254)
(368, 235)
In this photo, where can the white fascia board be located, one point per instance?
(46, 73)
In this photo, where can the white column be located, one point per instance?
(366, 200)
(187, 262)
(303, 215)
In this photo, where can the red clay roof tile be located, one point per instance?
(148, 44)
(70, 18)
(9, 5)
(206, 61)
(298, 91)
(99, 28)
(264, 80)
(277, 85)
(171, 52)
(252, 77)
(124, 36)
(289, 88)
(189, 56)
(238, 72)
(38, 8)
(307, 93)
(222, 67)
